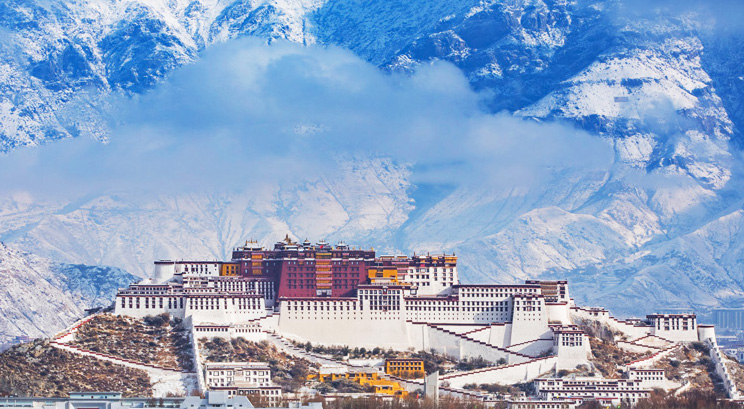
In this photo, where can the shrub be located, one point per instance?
(468, 364)
(700, 347)
(156, 321)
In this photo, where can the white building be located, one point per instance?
(674, 327)
(222, 400)
(242, 379)
(166, 269)
(540, 404)
(249, 332)
(431, 280)
(670, 327)
(201, 298)
(613, 391)
(571, 345)
(114, 400)
(230, 373)
(649, 378)
(504, 316)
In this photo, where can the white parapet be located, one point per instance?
(674, 327)
(706, 333)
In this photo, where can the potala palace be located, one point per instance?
(338, 295)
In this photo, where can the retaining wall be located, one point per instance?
(629, 329)
(506, 374)
(728, 381)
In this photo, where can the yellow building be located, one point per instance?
(229, 269)
(382, 386)
(386, 387)
(405, 367)
(382, 275)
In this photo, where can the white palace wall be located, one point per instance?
(201, 309)
(140, 306)
(370, 330)
(459, 347)
(558, 313)
(248, 332)
(497, 333)
(459, 327)
(533, 348)
(224, 309)
(344, 329)
(507, 374)
(440, 341)
(573, 355)
(529, 321)
(706, 333)
(718, 359)
(628, 329)
(470, 349)
(500, 334)
(674, 327)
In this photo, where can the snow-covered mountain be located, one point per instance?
(662, 86)
(40, 297)
(365, 204)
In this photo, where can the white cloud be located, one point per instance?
(250, 112)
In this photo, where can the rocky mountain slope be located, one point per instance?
(660, 85)
(39, 297)
(131, 231)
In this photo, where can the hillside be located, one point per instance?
(37, 369)
(158, 340)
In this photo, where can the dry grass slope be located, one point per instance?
(606, 356)
(157, 340)
(38, 369)
(692, 364)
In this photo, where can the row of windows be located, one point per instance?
(312, 269)
(613, 394)
(226, 329)
(150, 302)
(675, 323)
(387, 315)
(433, 270)
(405, 365)
(221, 303)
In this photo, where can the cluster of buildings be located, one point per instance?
(610, 391)
(339, 295)
(366, 378)
(333, 294)
(568, 393)
(114, 400)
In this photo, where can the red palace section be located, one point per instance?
(306, 269)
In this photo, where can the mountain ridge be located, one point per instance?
(646, 84)
(40, 297)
